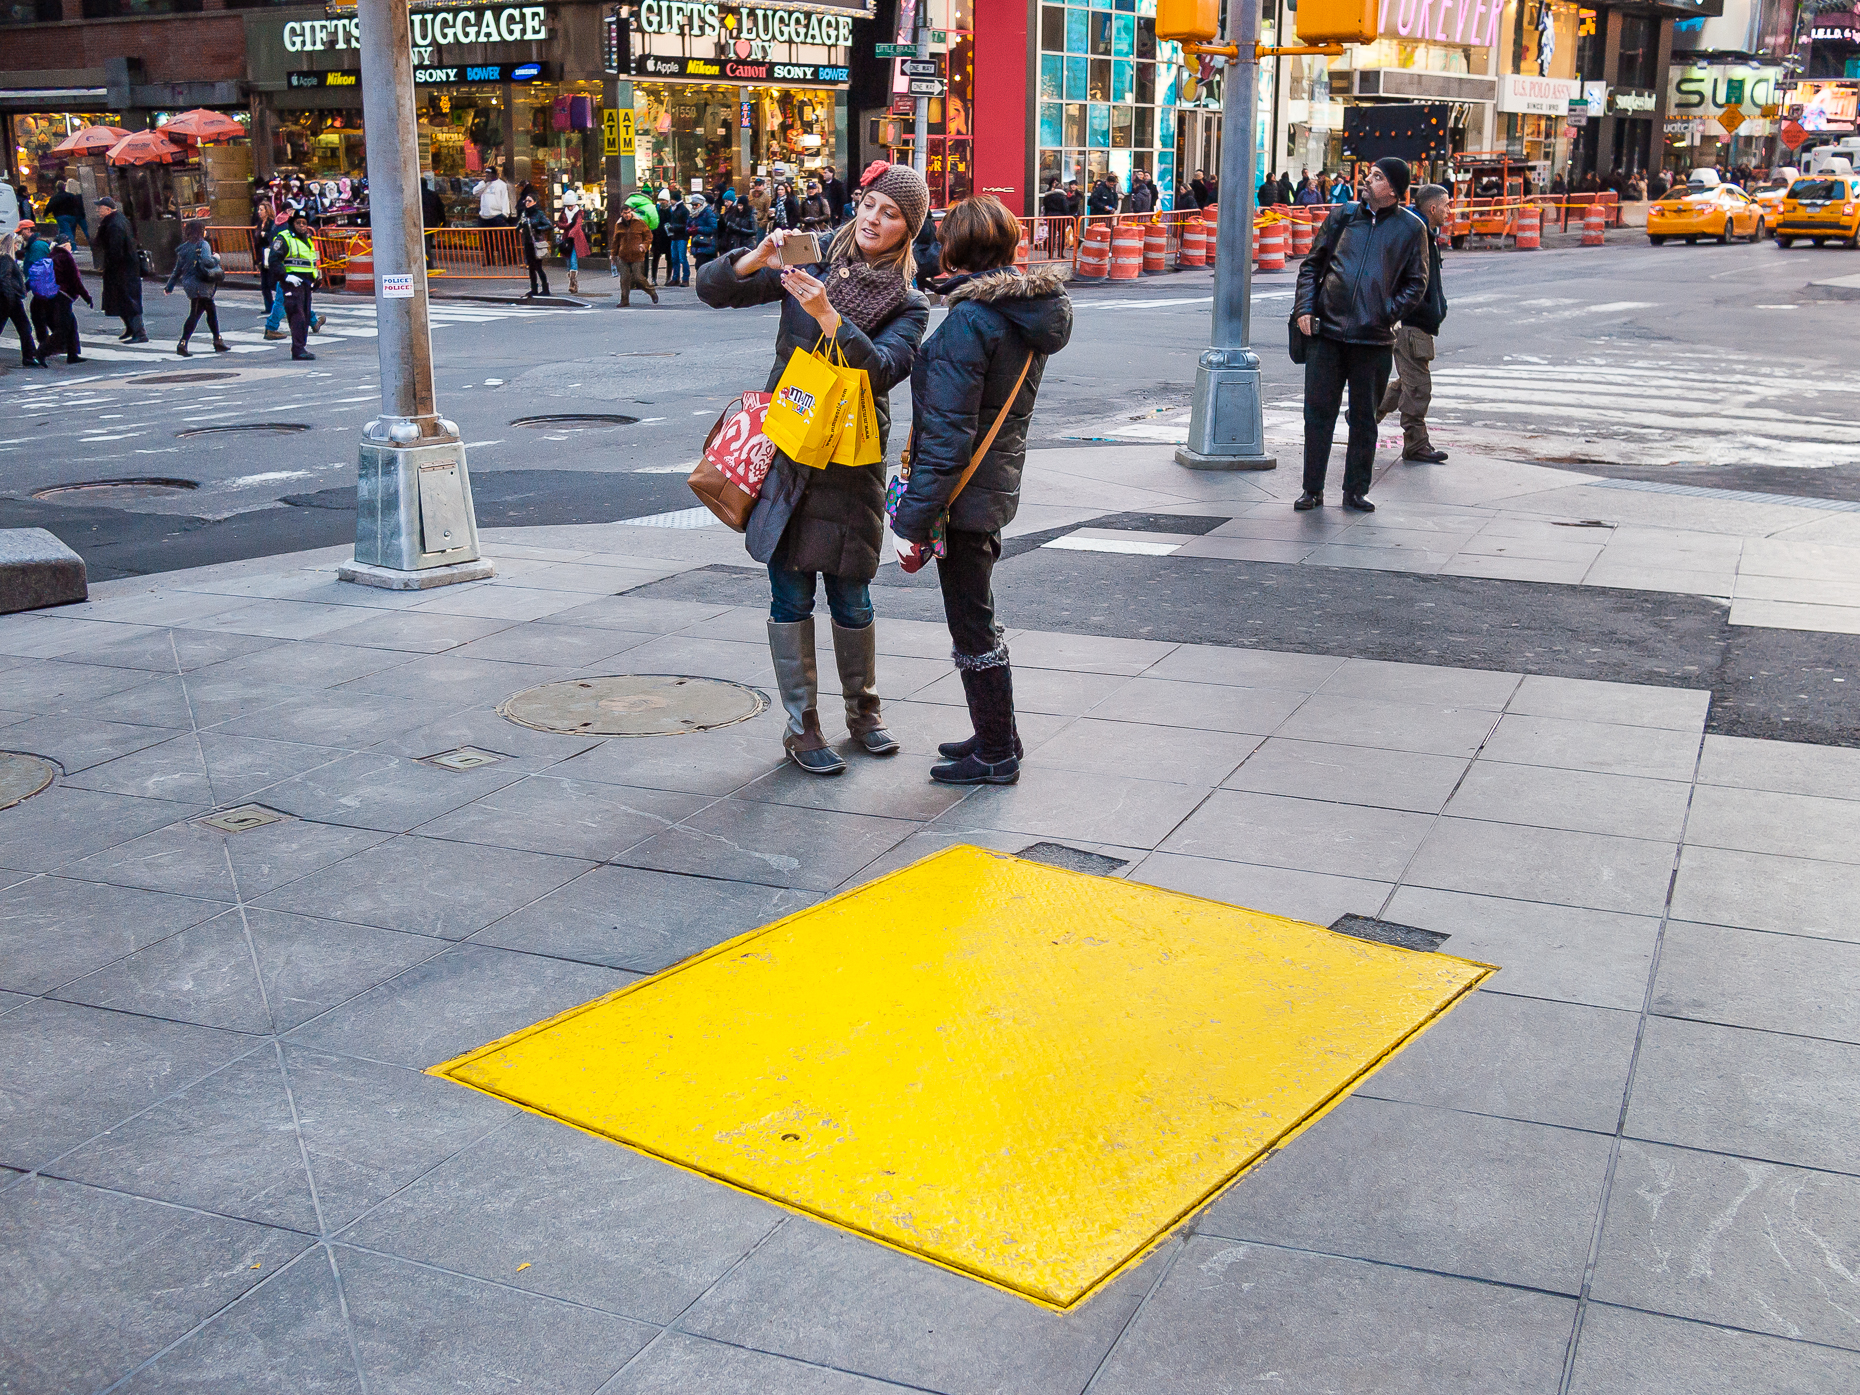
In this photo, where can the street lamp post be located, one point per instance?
(414, 525)
(1225, 430)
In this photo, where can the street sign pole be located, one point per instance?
(414, 525)
(920, 132)
(1225, 430)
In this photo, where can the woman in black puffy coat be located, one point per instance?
(989, 353)
(813, 523)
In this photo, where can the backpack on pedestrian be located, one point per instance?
(42, 278)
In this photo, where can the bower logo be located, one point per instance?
(802, 402)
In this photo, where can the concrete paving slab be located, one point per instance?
(1785, 1099)
(342, 718)
(1623, 1352)
(390, 794)
(1517, 1058)
(455, 681)
(1178, 755)
(169, 650)
(104, 1281)
(53, 688)
(285, 619)
(1564, 953)
(1445, 687)
(1543, 864)
(1232, 1316)
(884, 786)
(1749, 978)
(1318, 897)
(1389, 726)
(640, 920)
(637, 614)
(62, 825)
(172, 770)
(1733, 1241)
(1059, 691)
(544, 642)
(461, 999)
(1786, 766)
(1169, 702)
(826, 1297)
(425, 1331)
(1069, 806)
(57, 929)
(190, 859)
(582, 819)
(1349, 774)
(713, 763)
(679, 1361)
(1623, 806)
(1245, 668)
(1758, 891)
(1648, 752)
(772, 844)
(1764, 821)
(77, 743)
(410, 632)
(597, 1225)
(1307, 835)
(1432, 1189)
(1624, 704)
(286, 1333)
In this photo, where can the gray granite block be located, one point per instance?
(466, 997)
(1457, 1193)
(679, 1361)
(421, 1331)
(1625, 704)
(739, 840)
(1749, 978)
(634, 918)
(1544, 864)
(340, 717)
(1172, 703)
(1624, 806)
(1764, 821)
(1310, 835)
(1517, 1058)
(206, 974)
(389, 793)
(286, 1336)
(1623, 1352)
(168, 650)
(1789, 766)
(1178, 755)
(77, 743)
(582, 819)
(597, 1223)
(1316, 897)
(191, 859)
(1759, 891)
(822, 1295)
(1075, 807)
(1653, 753)
(1760, 1094)
(1234, 1317)
(53, 688)
(171, 770)
(1350, 774)
(429, 886)
(53, 929)
(1748, 1244)
(1424, 683)
(1438, 730)
(711, 762)
(96, 1283)
(887, 787)
(64, 825)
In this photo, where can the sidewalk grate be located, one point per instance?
(464, 758)
(1736, 496)
(634, 704)
(22, 776)
(1072, 859)
(1023, 1075)
(245, 816)
(1388, 932)
(699, 517)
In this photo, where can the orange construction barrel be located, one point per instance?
(1194, 248)
(1301, 238)
(360, 277)
(1155, 249)
(1092, 262)
(1271, 241)
(1023, 254)
(1126, 252)
(1594, 225)
(1530, 228)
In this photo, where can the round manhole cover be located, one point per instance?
(116, 491)
(165, 379)
(634, 704)
(261, 428)
(22, 776)
(576, 421)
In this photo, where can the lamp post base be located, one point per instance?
(414, 516)
(394, 579)
(1225, 429)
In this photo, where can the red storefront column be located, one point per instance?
(1005, 78)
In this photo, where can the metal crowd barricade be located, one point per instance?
(460, 254)
(242, 250)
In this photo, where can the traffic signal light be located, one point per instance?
(1195, 21)
(1327, 21)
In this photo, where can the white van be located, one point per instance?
(9, 207)
(1839, 158)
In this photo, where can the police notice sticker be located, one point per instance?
(397, 287)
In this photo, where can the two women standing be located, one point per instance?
(984, 363)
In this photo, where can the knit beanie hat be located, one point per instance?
(1396, 172)
(906, 188)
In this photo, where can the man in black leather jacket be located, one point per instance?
(1374, 256)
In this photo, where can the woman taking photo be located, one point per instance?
(810, 522)
(972, 390)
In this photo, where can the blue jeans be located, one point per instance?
(681, 268)
(792, 598)
(276, 318)
(574, 262)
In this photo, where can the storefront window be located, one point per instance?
(326, 144)
(113, 9)
(1119, 100)
(703, 136)
(34, 135)
(31, 11)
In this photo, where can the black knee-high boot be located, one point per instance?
(990, 692)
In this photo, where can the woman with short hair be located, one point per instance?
(972, 396)
(809, 523)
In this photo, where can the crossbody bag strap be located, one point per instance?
(989, 440)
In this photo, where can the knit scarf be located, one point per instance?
(864, 294)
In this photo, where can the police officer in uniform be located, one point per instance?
(294, 264)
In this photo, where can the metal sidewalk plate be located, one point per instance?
(22, 776)
(634, 704)
(1024, 1074)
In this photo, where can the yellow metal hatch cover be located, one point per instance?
(1024, 1074)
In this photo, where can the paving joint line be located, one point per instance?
(1181, 1240)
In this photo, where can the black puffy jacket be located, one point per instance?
(677, 222)
(1377, 274)
(963, 375)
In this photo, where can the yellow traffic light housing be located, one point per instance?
(1328, 21)
(1188, 21)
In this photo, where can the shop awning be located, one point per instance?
(13, 96)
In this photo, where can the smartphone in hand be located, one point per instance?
(800, 249)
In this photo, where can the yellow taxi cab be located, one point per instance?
(1770, 197)
(1820, 209)
(1704, 207)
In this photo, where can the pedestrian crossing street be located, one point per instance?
(346, 317)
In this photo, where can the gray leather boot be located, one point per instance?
(792, 647)
(856, 653)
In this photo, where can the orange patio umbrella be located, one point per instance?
(89, 140)
(146, 148)
(201, 124)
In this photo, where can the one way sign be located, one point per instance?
(921, 67)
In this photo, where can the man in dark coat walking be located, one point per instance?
(1374, 256)
(1412, 388)
(120, 262)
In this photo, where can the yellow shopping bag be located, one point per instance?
(858, 442)
(808, 409)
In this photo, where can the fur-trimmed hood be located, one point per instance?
(1034, 301)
